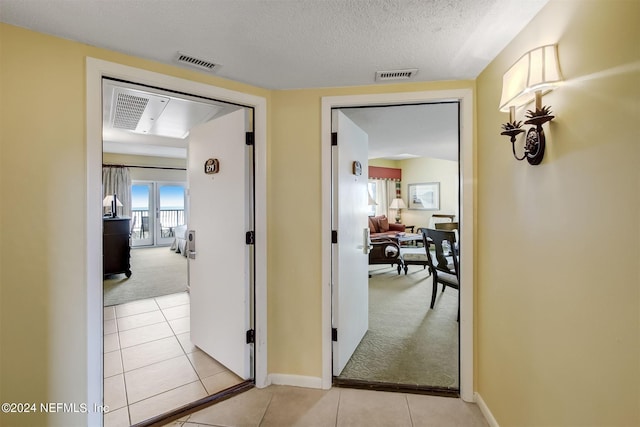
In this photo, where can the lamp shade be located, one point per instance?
(536, 70)
(397, 204)
(106, 202)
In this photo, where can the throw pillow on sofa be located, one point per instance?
(372, 225)
(384, 224)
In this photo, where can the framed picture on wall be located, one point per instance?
(425, 196)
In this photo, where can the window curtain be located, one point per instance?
(117, 180)
(386, 191)
(380, 196)
(391, 194)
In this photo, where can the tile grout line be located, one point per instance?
(120, 348)
(185, 352)
(406, 399)
(166, 391)
(265, 410)
(124, 378)
(338, 405)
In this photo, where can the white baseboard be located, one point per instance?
(295, 380)
(486, 411)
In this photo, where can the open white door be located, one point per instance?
(350, 314)
(220, 215)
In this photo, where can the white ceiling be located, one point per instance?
(145, 121)
(408, 131)
(288, 44)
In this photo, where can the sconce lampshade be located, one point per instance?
(536, 70)
(397, 204)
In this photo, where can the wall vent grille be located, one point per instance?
(192, 61)
(396, 74)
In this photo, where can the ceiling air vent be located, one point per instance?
(129, 110)
(201, 64)
(395, 74)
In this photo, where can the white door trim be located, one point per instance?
(465, 97)
(95, 70)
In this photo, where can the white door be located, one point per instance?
(220, 213)
(350, 254)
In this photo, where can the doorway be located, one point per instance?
(463, 96)
(96, 70)
(175, 334)
(157, 210)
(406, 344)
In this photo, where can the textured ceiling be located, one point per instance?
(288, 44)
(285, 44)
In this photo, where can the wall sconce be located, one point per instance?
(535, 73)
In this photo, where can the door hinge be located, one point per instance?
(250, 138)
(251, 336)
(250, 238)
(334, 236)
(334, 138)
(334, 334)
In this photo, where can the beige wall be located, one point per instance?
(384, 163)
(558, 245)
(43, 180)
(421, 170)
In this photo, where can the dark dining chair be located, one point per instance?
(445, 267)
(450, 226)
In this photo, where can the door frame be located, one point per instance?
(96, 69)
(466, 188)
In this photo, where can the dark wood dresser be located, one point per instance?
(115, 245)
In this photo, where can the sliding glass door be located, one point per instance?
(170, 211)
(142, 202)
(157, 209)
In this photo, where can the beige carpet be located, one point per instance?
(155, 272)
(407, 343)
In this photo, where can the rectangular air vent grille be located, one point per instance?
(129, 110)
(396, 74)
(195, 62)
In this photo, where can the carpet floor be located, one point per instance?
(155, 272)
(407, 342)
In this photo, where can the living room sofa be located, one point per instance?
(380, 227)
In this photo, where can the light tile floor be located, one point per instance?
(150, 365)
(282, 406)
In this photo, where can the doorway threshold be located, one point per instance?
(164, 419)
(395, 387)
